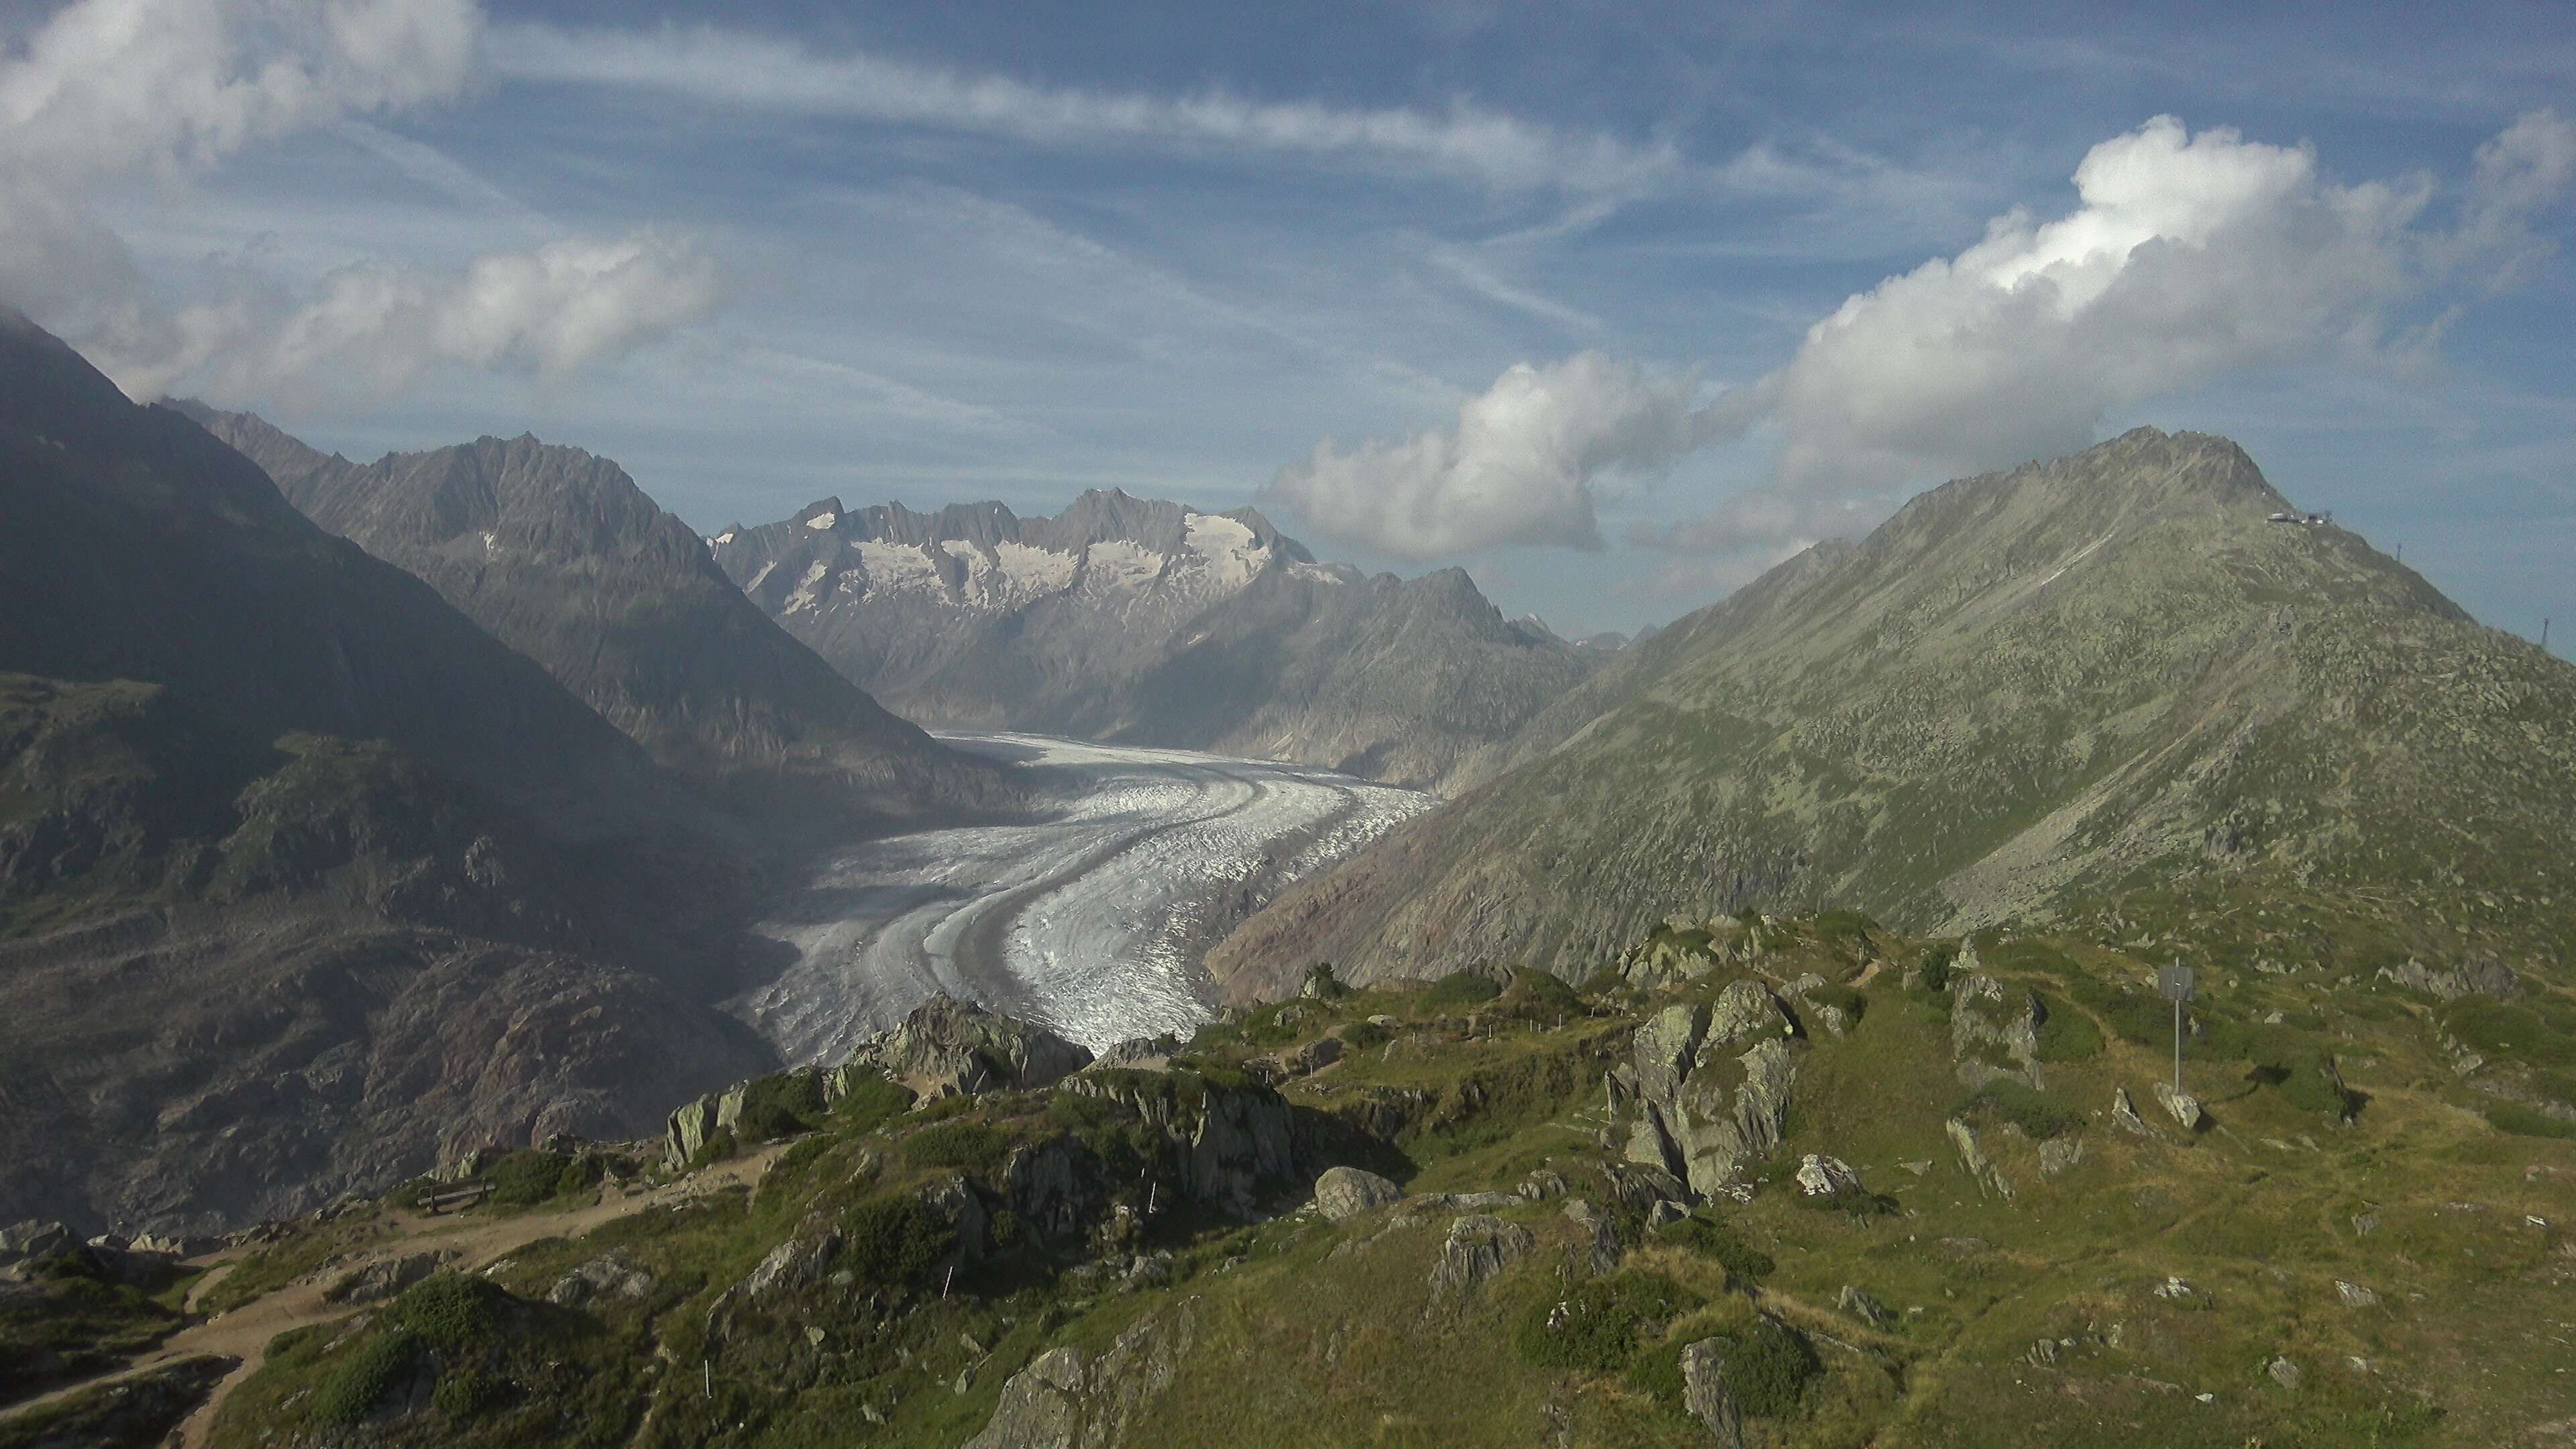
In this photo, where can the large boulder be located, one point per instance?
(952, 1048)
(1994, 1031)
(1478, 1247)
(1075, 1398)
(1343, 1193)
(1703, 1108)
(1706, 1396)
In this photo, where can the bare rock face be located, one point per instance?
(1973, 1158)
(1703, 1109)
(1479, 1246)
(2184, 1106)
(613, 1276)
(1343, 1193)
(1821, 1176)
(1994, 1031)
(1073, 1398)
(2124, 1114)
(1706, 1396)
(2479, 976)
(379, 1281)
(952, 1048)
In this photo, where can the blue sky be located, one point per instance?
(1543, 275)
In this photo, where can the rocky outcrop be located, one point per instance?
(1701, 1108)
(1994, 1031)
(951, 1048)
(1478, 1247)
(1821, 1176)
(1343, 1193)
(2124, 1114)
(379, 1281)
(612, 1278)
(2479, 976)
(1226, 1145)
(1705, 1394)
(1973, 1159)
(1076, 1398)
(1863, 1305)
(2184, 1107)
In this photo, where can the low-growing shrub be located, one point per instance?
(964, 1144)
(2020, 1105)
(1719, 1243)
(781, 1104)
(1322, 985)
(718, 1147)
(1767, 1368)
(529, 1177)
(451, 1310)
(894, 1240)
(354, 1389)
(1462, 989)
(1542, 989)
(2066, 1034)
(2522, 1121)
(1842, 998)
(1937, 960)
(467, 1393)
(1593, 1328)
(870, 1103)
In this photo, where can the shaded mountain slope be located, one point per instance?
(558, 554)
(2106, 674)
(303, 876)
(1147, 622)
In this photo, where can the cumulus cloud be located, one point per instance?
(2186, 258)
(371, 330)
(1517, 467)
(106, 86)
(170, 88)
(729, 68)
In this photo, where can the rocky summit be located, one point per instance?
(559, 555)
(2108, 686)
(1151, 623)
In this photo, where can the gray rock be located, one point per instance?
(1973, 1158)
(2124, 1114)
(2043, 1353)
(1478, 1247)
(1599, 1253)
(1666, 1211)
(2058, 1155)
(2355, 1296)
(33, 1239)
(2184, 1107)
(2284, 1372)
(615, 1276)
(1073, 1398)
(2478, 976)
(1706, 1396)
(1542, 1186)
(379, 1281)
(1343, 1193)
(1821, 1176)
(1989, 1020)
(948, 1048)
(1864, 1307)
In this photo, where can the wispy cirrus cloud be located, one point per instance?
(1463, 141)
(168, 89)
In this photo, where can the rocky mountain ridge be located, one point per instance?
(2025, 695)
(1147, 622)
(558, 554)
(303, 875)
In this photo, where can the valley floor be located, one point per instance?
(1091, 919)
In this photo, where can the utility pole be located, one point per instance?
(2544, 636)
(2176, 983)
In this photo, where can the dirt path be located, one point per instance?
(245, 1332)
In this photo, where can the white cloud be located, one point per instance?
(372, 329)
(758, 73)
(170, 88)
(107, 86)
(2186, 259)
(1517, 467)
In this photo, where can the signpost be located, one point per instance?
(2176, 982)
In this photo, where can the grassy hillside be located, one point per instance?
(2363, 1242)
(2025, 693)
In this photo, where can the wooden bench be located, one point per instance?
(463, 1195)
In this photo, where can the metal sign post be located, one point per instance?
(2176, 983)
